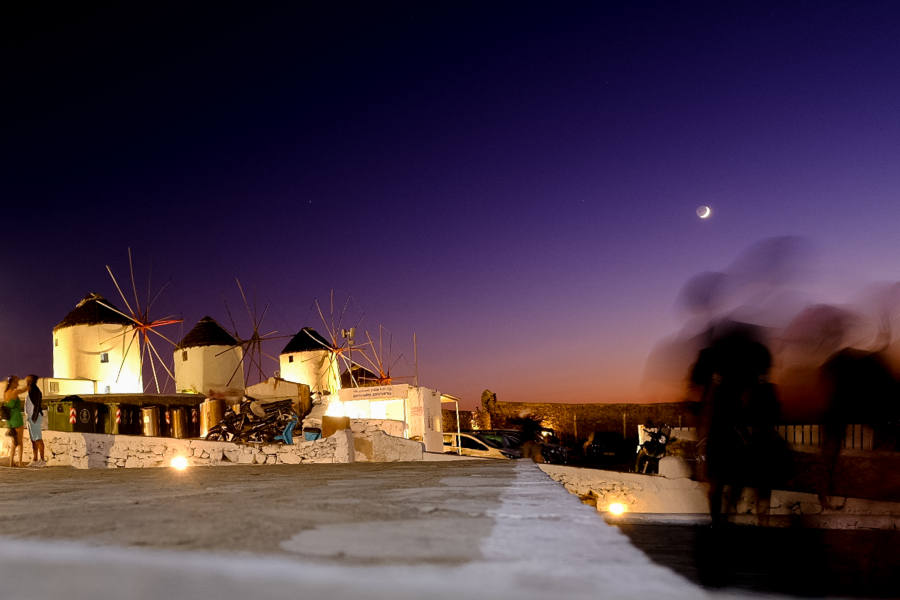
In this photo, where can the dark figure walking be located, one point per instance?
(738, 415)
(861, 390)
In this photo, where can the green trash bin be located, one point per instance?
(73, 415)
(117, 418)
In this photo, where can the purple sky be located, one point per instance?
(516, 183)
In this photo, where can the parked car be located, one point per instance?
(511, 441)
(499, 440)
(470, 445)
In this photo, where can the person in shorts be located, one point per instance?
(34, 420)
(15, 422)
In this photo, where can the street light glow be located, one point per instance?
(616, 508)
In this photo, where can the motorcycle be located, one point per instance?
(653, 449)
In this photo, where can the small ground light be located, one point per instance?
(180, 463)
(616, 508)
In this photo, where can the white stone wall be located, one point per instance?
(96, 450)
(381, 440)
(640, 493)
(365, 427)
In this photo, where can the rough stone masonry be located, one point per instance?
(364, 442)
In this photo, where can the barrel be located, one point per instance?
(150, 421)
(179, 423)
(211, 413)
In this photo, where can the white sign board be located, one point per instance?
(379, 392)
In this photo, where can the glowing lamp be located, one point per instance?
(616, 508)
(180, 463)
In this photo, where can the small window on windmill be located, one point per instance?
(104, 357)
(184, 356)
(54, 387)
(55, 342)
(291, 358)
(106, 390)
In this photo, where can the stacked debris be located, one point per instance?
(254, 421)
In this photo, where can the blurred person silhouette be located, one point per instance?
(738, 414)
(15, 422)
(861, 390)
(34, 420)
(739, 410)
(856, 386)
(532, 447)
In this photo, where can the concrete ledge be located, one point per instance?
(441, 457)
(651, 497)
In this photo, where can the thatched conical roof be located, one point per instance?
(308, 339)
(361, 376)
(90, 311)
(207, 332)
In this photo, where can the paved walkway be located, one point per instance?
(413, 530)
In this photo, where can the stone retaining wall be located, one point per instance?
(378, 440)
(96, 450)
(368, 440)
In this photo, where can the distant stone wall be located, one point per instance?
(468, 419)
(565, 419)
(96, 450)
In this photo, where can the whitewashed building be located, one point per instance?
(96, 343)
(417, 408)
(308, 358)
(208, 358)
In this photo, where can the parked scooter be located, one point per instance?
(650, 451)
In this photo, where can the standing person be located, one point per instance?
(34, 420)
(16, 423)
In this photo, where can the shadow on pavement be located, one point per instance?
(798, 562)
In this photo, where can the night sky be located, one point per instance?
(515, 183)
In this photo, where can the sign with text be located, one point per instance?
(379, 392)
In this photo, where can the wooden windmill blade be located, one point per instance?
(150, 302)
(340, 348)
(142, 323)
(383, 364)
(135, 333)
(133, 284)
(376, 362)
(230, 318)
(253, 354)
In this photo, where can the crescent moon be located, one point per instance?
(703, 212)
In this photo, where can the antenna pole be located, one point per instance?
(415, 359)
